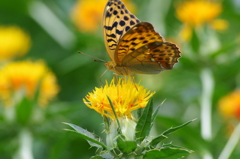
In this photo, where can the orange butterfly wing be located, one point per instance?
(142, 50)
(117, 20)
(134, 46)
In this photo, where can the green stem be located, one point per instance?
(206, 106)
(52, 25)
(25, 145)
(231, 144)
(206, 103)
(156, 13)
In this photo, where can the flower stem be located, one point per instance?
(25, 145)
(206, 106)
(231, 144)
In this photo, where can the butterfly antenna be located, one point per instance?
(96, 59)
(100, 78)
(134, 81)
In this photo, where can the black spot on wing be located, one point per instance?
(122, 23)
(110, 28)
(112, 46)
(119, 32)
(125, 18)
(109, 40)
(115, 12)
(133, 39)
(111, 35)
(132, 22)
(132, 16)
(127, 28)
(108, 14)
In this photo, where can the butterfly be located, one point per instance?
(134, 46)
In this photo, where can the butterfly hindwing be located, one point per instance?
(117, 20)
(152, 58)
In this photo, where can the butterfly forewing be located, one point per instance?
(140, 35)
(117, 20)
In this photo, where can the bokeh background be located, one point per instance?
(203, 85)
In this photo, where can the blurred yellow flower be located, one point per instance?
(229, 105)
(14, 42)
(219, 24)
(186, 32)
(195, 13)
(124, 94)
(26, 77)
(87, 14)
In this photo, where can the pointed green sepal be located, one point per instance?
(126, 146)
(92, 139)
(106, 123)
(144, 123)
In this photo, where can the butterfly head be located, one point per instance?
(119, 70)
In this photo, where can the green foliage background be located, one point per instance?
(78, 74)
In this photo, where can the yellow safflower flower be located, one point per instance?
(87, 14)
(14, 42)
(195, 13)
(124, 94)
(26, 76)
(229, 105)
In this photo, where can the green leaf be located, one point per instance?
(92, 139)
(144, 123)
(195, 42)
(24, 111)
(38, 89)
(161, 137)
(173, 146)
(194, 140)
(225, 48)
(156, 112)
(167, 152)
(126, 146)
(173, 129)
(157, 140)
